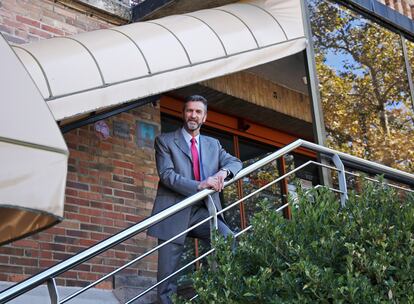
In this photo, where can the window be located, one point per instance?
(364, 87)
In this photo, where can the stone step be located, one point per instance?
(40, 295)
(128, 286)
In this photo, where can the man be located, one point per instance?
(187, 162)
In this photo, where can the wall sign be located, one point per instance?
(146, 133)
(102, 129)
(121, 129)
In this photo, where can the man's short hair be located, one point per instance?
(196, 98)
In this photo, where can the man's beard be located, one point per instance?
(193, 125)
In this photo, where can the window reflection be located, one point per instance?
(363, 85)
(251, 152)
(230, 194)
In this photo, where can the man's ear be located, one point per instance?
(205, 118)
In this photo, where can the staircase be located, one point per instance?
(143, 290)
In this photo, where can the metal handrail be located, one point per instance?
(234, 204)
(388, 172)
(52, 272)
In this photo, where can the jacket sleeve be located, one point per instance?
(167, 171)
(228, 161)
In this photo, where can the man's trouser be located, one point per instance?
(170, 254)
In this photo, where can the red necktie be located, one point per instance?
(194, 156)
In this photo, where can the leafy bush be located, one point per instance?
(363, 253)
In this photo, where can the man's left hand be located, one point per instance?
(221, 176)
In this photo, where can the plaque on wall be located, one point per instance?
(146, 133)
(102, 129)
(121, 129)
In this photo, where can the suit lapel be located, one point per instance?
(181, 144)
(206, 152)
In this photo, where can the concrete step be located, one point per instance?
(40, 295)
(128, 286)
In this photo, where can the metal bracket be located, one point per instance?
(341, 178)
(53, 292)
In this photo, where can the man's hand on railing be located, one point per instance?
(215, 182)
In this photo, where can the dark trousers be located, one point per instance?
(170, 254)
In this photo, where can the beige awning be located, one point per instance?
(99, 69)
(33, 154)
(91, 71)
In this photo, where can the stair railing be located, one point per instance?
(338, 158)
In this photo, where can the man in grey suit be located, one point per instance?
(187, 162)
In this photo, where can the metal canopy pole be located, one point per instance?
(408, 69)
(313, 86)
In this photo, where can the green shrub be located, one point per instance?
(363, 253)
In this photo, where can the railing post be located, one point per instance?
(53, 292)
(212, 210)
(341, 178)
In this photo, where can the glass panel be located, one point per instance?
(230, 194)
(250, 152)
(170, 123)
(364, 87)
(307, 177)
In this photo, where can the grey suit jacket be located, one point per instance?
(177, 182)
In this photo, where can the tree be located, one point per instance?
(365, 96)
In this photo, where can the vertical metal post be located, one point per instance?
(408, 69)
(212, 210)
(341, 178)
(287, 212)
(239, 185)
(313, 86)
(53, 292)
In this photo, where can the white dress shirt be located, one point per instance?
(188, 138)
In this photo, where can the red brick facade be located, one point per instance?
(111, 185)
(111, 182)
(24, 21)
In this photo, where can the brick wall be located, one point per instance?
(24, 21)
(111, 185)
(111, 182)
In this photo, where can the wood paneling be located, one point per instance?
(227, 123)
(264, 93)
(236, 107)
